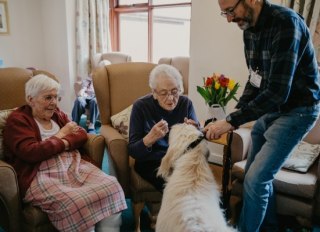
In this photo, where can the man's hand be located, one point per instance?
(216, 129)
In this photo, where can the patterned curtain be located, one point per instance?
(310, 10)
(92, 33)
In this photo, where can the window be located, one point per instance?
(150, 29)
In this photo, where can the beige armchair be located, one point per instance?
(297, 194)
(15, 216)
(112, 57)
(97, 60)
(182, 64)
(117, 86)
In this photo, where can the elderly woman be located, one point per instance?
(151, 118)
(42, 145)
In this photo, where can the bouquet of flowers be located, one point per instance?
(218, 89)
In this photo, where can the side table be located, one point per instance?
(226, 140)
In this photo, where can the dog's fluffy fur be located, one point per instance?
(191, 198)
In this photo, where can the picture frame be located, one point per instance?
(4, 18)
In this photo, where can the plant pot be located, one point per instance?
(216, 111)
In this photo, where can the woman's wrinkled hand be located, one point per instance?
(158, 131)
(191, 122)
(69, 128)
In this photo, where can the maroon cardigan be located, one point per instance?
(25, 150)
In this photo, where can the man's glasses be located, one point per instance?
(230, 11)
(50, 98)
(165, 93)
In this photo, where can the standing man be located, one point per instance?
(282, 95)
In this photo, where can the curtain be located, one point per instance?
(92, 33)
(310, 10)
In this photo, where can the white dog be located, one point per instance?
(191, 197)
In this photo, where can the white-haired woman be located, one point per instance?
(42, 144)
(151, 118)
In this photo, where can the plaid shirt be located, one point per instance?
(280, 51)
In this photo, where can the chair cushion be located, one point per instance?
(121, 122)
(4, 114)
(302, 157)
(286, 181)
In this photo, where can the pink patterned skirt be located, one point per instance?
(74, 193)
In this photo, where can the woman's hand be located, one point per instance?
(191, 122)
(158, 131)
(69, 128)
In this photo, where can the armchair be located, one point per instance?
(117, 86)
(14, 215)
(297, 194)
(112, 57)
(182, 64)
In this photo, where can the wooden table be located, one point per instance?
(226, 140)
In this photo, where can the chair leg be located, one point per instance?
(137, 208)
(153, 221)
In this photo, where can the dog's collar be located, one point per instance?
(195, 143)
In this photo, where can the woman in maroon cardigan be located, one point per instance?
(41, 144)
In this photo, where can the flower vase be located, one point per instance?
(216, 111)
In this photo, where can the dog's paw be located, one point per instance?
(164, 173)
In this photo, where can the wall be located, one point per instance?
(24, 46)
(215, 46)
(58, 19)
(42, 36)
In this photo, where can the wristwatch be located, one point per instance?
(229, 120)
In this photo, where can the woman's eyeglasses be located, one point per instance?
(166, 93)
(50, 98)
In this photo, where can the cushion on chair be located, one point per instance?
(302, 157)
(121, 122)
(286, 181)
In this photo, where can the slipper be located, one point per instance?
(91, 131)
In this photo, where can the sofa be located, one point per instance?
(14, 215)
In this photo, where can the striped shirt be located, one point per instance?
(279, 50)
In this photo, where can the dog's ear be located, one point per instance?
(167, 163)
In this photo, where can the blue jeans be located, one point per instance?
(79, 108)
(274, 136)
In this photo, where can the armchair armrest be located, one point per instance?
(9, 196)
(96, 58)
(94, 147)
(240, 144)
(117, 148)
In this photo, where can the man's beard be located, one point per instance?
(246, 21)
